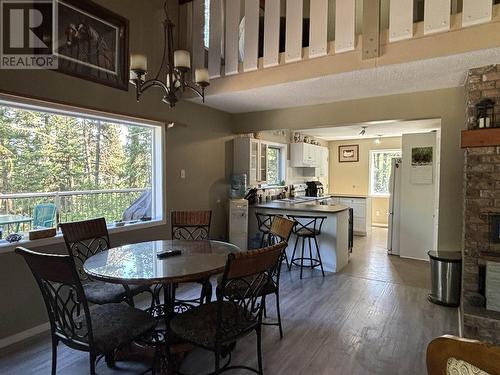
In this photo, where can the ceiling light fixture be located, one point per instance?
(363, 131)
(175, 65)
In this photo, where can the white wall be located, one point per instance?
(417, 202)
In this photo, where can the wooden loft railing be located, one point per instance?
(276, 33)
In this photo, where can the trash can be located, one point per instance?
(446, 277)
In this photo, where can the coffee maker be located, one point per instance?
(314, 189)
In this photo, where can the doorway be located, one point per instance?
(415, 211)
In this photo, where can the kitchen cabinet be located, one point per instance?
(250, 157)
(362, 211)
(307, 155)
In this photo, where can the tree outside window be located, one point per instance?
(87, 167)
(274, 166)
(380, 170)
(206, 28)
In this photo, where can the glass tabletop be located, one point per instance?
(138, 263)
(13, 219)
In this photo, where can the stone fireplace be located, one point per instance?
(481, 204)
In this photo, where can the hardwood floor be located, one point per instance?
(369, 260)
(372, 318)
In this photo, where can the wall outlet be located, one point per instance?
(183, 173)
(377, 213)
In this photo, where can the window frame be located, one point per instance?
(371, 170)
(282, 160)
(158, 184)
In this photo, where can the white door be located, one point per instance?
(418, 184)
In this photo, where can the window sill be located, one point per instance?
(6, 247)
(380, 195)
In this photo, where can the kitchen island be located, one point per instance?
(334, 237)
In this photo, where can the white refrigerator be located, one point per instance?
(393, 241)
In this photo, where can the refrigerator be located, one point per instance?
(393, 242)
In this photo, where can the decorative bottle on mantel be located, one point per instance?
(292, 191)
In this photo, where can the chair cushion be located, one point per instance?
(199, 324)
(269, 288)
(99, 292)
(115, 324)
(459, 367)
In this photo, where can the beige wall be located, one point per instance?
(380, 211)
(202, 147)
(446, 104)
(354, 178)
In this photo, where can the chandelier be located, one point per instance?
(175, 67)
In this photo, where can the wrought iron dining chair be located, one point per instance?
(216, 326)
(98, 331)
(85, 239)
(192, 226)
(280, 231)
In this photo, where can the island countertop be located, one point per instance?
(277, 205)
(341, 195)
(333, 240)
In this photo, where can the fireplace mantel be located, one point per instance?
(481, 138)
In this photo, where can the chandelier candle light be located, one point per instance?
(175, 65)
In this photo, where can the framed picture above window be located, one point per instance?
(348, 153)
(93, 43)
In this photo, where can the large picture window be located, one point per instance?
(58, 167)
(380, 170)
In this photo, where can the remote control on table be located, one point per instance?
(168, 253)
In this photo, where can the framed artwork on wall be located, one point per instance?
(348, 153)
(93, 43)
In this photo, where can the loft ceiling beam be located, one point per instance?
(371, 29)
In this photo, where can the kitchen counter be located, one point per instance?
(333, 240)
(299, 206)
(363, 196)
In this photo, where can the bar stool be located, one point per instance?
(264, 223)
(307, 227)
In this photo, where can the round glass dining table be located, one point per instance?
(139, 263)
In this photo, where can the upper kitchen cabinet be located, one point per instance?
(308, 155)
(263, 162)
(302, 155)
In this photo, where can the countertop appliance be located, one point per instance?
(238, 223)
(300, 190)
(394, 207)
(314, 189)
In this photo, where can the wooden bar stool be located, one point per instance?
(307, 227)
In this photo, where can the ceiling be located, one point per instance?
(422, 75)
(374, 129)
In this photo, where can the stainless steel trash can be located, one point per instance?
(446, 277)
